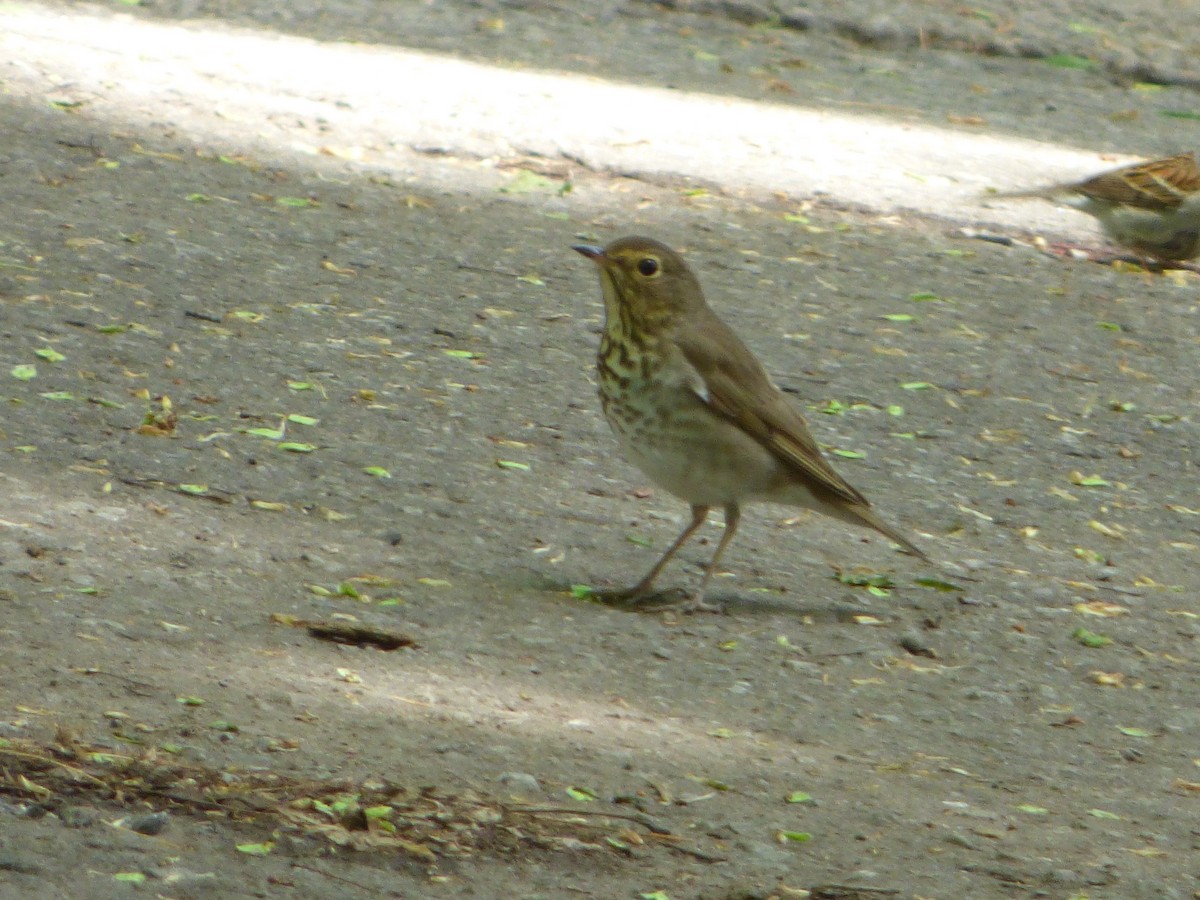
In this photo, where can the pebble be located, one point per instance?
(79, 816)
(148, 823)
(521, 781)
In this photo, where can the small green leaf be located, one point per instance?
(849, 454)
(296, 201)
(509, 464)
(113, 329)
(1104, 814)
(273, 434)
(111, 404)
(377, 812)
(638, 539)
(301, 386)
(58, 395)
(191, 701)
(898, 317)
(193, 489)
(24, 372)
(583, 795)
(655, 895)
(302, 420)
(722, 733)
(49, 354)
(130, 877)
(923, 297)
(581, 591)
(346, 589)
(865, 579)
(526, 182)
(462, 354)
(916, 385)
(1109, 326)
(799, 797)
(937, 585)
(433, 582)
(224, 725)
(320, 590)
(256, 849)
(798, 837)
(1136, 732)
(531, 279)
(1090, 638)
(246, 315)
(895, 410)
(1185, 114)
(1068, 61)
(377, 471)
(1032, 810)
(297, 447)
(197, 198)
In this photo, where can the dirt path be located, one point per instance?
(414, 324)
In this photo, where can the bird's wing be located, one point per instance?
(736, 386)
(1159, 184)
(1156, 185)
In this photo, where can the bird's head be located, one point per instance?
(644, 280)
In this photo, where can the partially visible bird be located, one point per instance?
(695, 410)
(1153, 208)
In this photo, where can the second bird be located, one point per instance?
(1153, 208)
(695, 410)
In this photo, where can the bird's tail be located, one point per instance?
(866, 516)
(859, 514)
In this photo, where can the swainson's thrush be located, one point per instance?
(695, 410)
(1153, 208)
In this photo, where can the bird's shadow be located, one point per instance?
(675, 600)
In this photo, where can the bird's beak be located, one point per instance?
(595, 254)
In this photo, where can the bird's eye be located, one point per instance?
(648, 266)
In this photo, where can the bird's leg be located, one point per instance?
(641, 590)
(733, 515)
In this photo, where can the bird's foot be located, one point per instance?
(1107, 257)
(700, 605)
(644, 600)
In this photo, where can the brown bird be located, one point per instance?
(695, 410)
(1153, 208)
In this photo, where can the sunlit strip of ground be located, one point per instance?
(265, 90)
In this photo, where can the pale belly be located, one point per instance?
(695, 454)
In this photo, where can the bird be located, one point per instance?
(1153, 208)
(695, 410)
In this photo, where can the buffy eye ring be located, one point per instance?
(648, 266)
